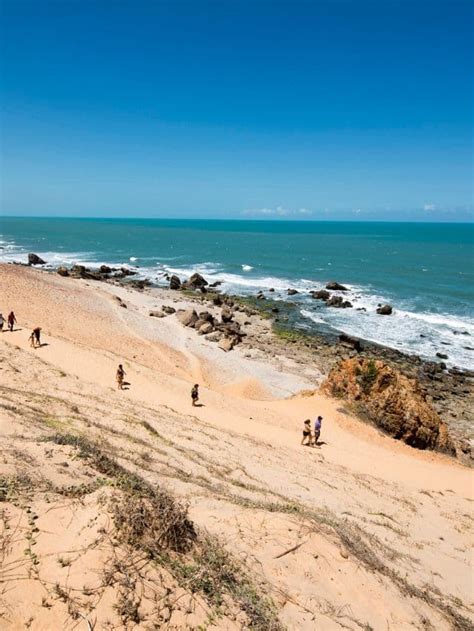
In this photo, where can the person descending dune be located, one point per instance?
(307, 439)
(11, 320)
(195, 394)
(119, 376)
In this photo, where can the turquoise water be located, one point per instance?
(426, 271)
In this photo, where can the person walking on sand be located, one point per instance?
(37, 336)
(11, 320)
(317, 429)
(195, 394)
(2, 321)
(119, 377)
(307, 439)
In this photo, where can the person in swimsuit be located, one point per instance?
(307, 439)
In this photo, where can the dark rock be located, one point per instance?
(127, 272)
(216, 283)
(205, 316)
(322, 294)
(195, 282)
(226, 314)
(139, 284)
(105, 269)
(352, 342)
(175, 282)
(384, 310)
(157, 314)
(275, 310)
(62, 271)
(34, 259)
(335, 286)
(271, 290)
(335, 301)
(168, 310)
(292, 292)
(442, 355)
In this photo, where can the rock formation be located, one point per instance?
(392, 401)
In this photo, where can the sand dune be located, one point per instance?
(363, 532)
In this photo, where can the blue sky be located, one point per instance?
(335, 109)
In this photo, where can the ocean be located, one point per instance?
(425, 271)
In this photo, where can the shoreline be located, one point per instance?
(450, 391)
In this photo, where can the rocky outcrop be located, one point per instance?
(392, 401)
(384, 309)
(336, 286)
(175, 282)
(34, 259)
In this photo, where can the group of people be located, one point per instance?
(35, 336)
(310, 438)
(11, 321)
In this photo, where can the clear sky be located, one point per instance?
(317, 109)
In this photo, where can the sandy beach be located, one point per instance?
(362, 532)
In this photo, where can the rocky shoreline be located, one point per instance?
(450, 391)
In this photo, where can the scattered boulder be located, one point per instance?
(392, 401)
(226, 344)
(292, 292)
(272, 290)
(442, 355)
(216, 283)
(336, 286)
(105, 269)
(226, 314)
(384, 309)
(322, 294)
(157, 314)
(127, 272)
(168, 310)
(139, 284)
(338, 302)
(175, 282)
(205, 328)
(205, 316)
(195, 282)
(62, 271)
(188, 317)
(34, 259)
